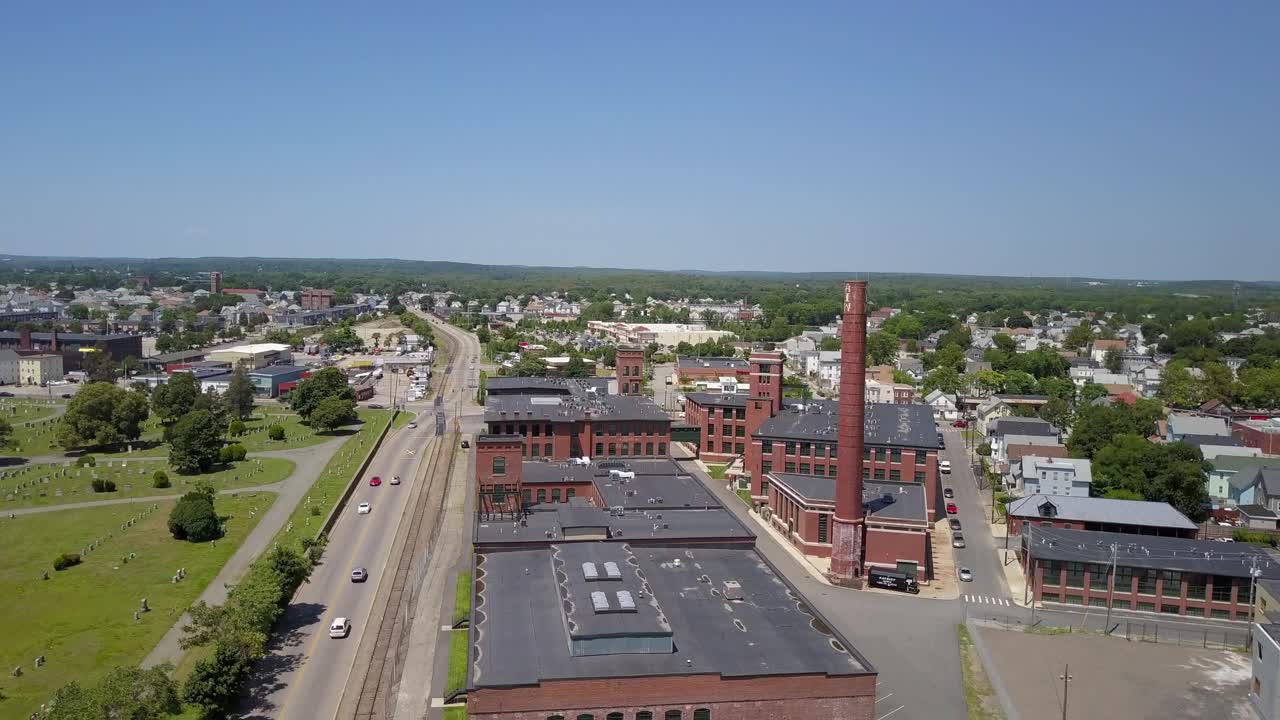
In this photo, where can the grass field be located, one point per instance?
(81, 619)
(457, 679)
(297, 435)
(41, 440)
(41, 484)
(326, 490)
(715, 471)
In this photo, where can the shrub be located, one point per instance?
(232, 453)
(194, 517)
(1253, 537)
(984, 450)
(66, 560)
(103, 486)
(160, 480)
(237, 428)
(276, 432)
(86, 461)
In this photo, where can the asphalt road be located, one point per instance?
(304, 675)
(980, 553)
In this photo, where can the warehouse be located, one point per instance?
(254, 356)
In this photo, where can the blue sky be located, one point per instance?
(1132, 139)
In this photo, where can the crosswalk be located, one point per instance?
(986, 600)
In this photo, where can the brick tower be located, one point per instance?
(763, 402)
(630, 368)
(499, 475)
(848, 527)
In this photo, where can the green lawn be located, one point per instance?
(297, 435)
(42, 440)
(716, 471)
(326, 490)
(462, 597)
(40, 485)
(745, 496)
(81, 619)
(401, 419)
(980, 700)
(457, 661)
(455, 713)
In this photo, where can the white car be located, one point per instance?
(395, 479)
(362, 509)
(966, 575)
(945, 467)
(339, 628)
(412, 426)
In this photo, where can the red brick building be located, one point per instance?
(1137, 517)
(710, 369)
(630, 370)
(722, 423)
(1166, 575)
(317, 299)
(1261, 434)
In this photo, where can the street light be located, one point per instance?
(1066, 678)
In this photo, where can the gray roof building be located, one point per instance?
(711, 363)
(1150, 551)
(1103, 511)
(884, 500)
(885, 424)
(1022, 426)
(732, 400)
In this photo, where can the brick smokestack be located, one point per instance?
(847, 535)
(24, 338)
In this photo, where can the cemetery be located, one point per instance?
(297, 435)
(131, 585)
(28, 486)
(36, 437)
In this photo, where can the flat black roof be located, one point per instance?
(733, 400)
(79, 338)
(1022, 426)
(273, 370)
(536, 473)
(1150, 551)
(658, 492)
(547, 524)
(880, 499)
(884, 425)
(569, 408)
(711, 363)
(528, 631)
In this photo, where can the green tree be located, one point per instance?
(1017, 382)
(329, 382)
(1005, 343)
(194, 517)
(1057, 387)
(988, 381)
(832, 342)
(215, 681)
(176, 397)
(194, 442)
(1092, 391)
(1112, 360)
(101, 414)
(904, 325)
(944, 378)
(882, 348)
(77, 312)
(239, 395)
(98, 365)
(332, 413)
(1179, 386)
(602, 311)
(1057, 412)
(950, 356)
(126, 693)
(1079, 337)
(576, 368)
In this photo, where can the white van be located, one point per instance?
(339, 628)
(945, 467)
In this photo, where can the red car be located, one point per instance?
(951, 508)
(960, 424)
(375, 481)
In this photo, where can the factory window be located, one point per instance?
(635, 448)
(866, 473)
(1220, 614)
(1146, 607)
(740, 413)
(766, 466)
(1196, 588)
(1123, 582)
(895, 455)
(921, 456)
(884, 454)
(511, 429)
(1147, 583)
(613, 449)
(866, 453)
(1170, 609)
(613, 716)
(534, 450)
(555, 495)
(879, 473)
(764, 487)
(823, 520)
(726, 447)
(537, 431)
(499, 465)
(1221, 589)
(626, 429)
(919, 476)
(1243, 596)
(1172, 586)
(599, 449)
(542, 496)
(831, 450)
(804, 468)
(738, 448)
(524, 430)
(586, 716)
(711, 446)
(648, 448)
(805, 448)
(789, 467)
(819, 470)
(1075, 575)
(613, 429)
(528, 497)
(895, 475)
(570, 493)
(740, 431)
(644, 715)
(711, 429)
(546, 449)
(831, 471)
(662, 448)
(547, 431)
(791, 448)
(673, 715)
(726, 430)
(599, 430)
(625, 449)
(702, 714)
(766, 446)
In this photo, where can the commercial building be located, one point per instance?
(253, 356)
(1100, 514)
(1261, 434)
(1168, 575)
(710, 369)
(267, 381)
(666, 334)
(71, 346)
(40, 369)
(722, 423)
(1264, 655)
(1180, 427)
(657, 607)
(317, 299)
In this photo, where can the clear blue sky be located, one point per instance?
(1135, 139)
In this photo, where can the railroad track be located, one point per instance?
(375, 699)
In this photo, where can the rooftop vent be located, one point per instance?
(600, 601)
(732, 590)
(625, 602)
(589, 571)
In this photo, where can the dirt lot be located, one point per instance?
(1114, 678)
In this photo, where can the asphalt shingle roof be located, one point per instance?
(1104, 510)
(885, 424)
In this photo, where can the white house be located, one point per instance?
(1053, 476)
(944, 405)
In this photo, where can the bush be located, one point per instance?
(237, 428)
(86, 461)
(66, 560)
(232, 453)
(984, 450)
(1253, 537)
(103, 486)
(276, 432)
(160, 480)
(194, 517)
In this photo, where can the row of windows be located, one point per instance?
(727, 447)
(727, 430)
(1165, 608)
(542, 495)
(812, 449)
(728, 413)
(629, 428)
(630, 370)
(632, 449)
(1197, 584)
(699, 714)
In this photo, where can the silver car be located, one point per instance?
(966, 575)
(359, 575)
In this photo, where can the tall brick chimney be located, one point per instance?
(848, 528)
(24, 338)
(53, 341)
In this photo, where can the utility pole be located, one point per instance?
(1254, 572)
(1066, 678)
(1111, 585)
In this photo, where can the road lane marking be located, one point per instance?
(882, 717)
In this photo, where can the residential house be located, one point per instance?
(990, 410)
(944, 405)
(1001, 429)
(9, 372)
(1181, 425)
(912, 366)
(1051, 476)
(1072, 512)
(1264, 659)
(1099, 348)
(1234, 480)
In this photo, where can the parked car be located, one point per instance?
(945, 467)
(339, 628)
(951, 509)
(359, 575)
(66, 396)
(960, 424)
(375, 481)
(955, 524)
(375, 406)
(466, 443)
(948, 493)
(966, 575)
(957, 541)
(363, 509)
(6, 394)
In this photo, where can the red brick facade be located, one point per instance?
(724, 431)
(630, 369)
(1141, 589)
(813, 458)
(757, 698)
(590, 438)
(763, 402)
(1267, 442)
(498, 474)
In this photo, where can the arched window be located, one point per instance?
(546, 449)
(702, 714)
(662, 448)
(673, 715)
(613, 449)
(613, 716)
(499, 465)
(542, 495)
(644, 715)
